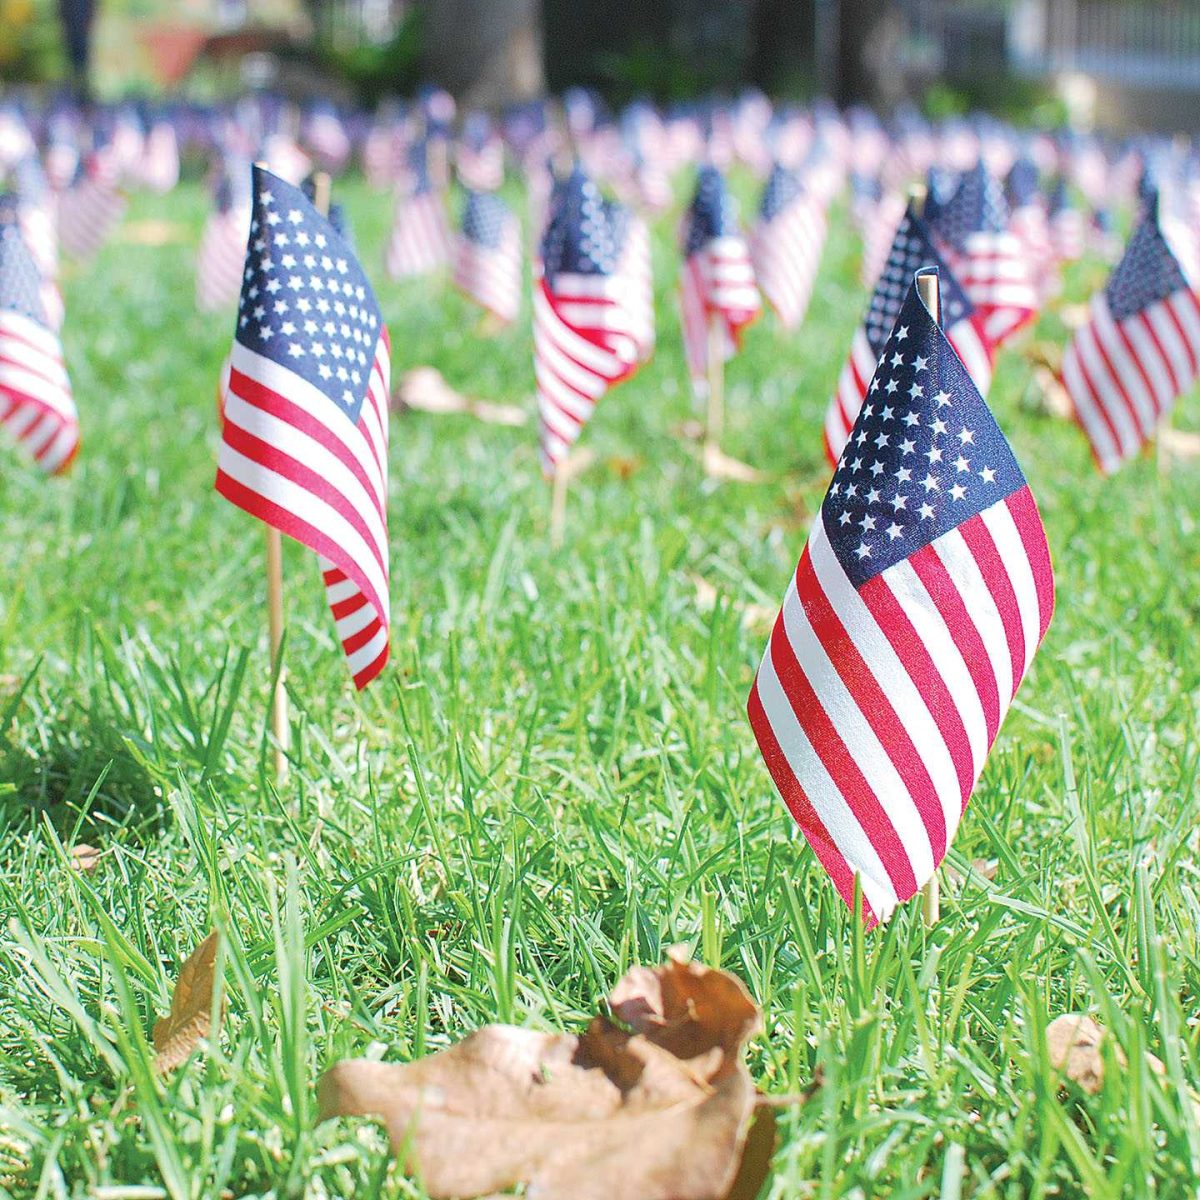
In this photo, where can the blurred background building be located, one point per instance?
(1127, 63)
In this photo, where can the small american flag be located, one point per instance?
(158, 168)
(986, 255)
(221, 258)
(305, 436)
(786, 245)
(913, 615)
(585, 332)
(479, 154)
(1028, 222)
(1068, 229)
(1138, 351)
(91, 208)
(487, 260)
(420, 242)
(718, 277)
(36, 405)
(912, 248)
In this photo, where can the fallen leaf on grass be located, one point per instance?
(85, 858)
(426, 390)
(190, 1019)
(652, 1103)
(719, 465)
(1073, 1042)
(1177, 446)
(152, 232)
(758, 618)
(986, 867)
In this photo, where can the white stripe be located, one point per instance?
(1000, 524)
(977, 599)
(823, 792)
(916, 603)
(890, 673)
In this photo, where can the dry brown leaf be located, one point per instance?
(758, 618)
(177, 1034)
(426, 390)
(625, 466)
(1176, 446)
(661, 1110)
(84, 858)
(986, 867)
(1073, 1042)
(152, 232)
(719, 465)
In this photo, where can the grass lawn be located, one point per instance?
(555, 777)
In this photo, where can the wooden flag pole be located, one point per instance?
(558, 502)
(927, 287)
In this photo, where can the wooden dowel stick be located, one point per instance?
(280, 728)
(558, 503)
(927, 287)
(715, 424)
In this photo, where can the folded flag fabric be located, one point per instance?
(1139, 349)
(717, 288)
(487, 259)
(587, 323)
(914, 613)
(912, 248)
(37, 408)
(305, 436)
(786, 245)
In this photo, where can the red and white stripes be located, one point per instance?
(718, 286)
(421, 241)
(37, 408)
(1123, 377)
(875, 707)
(786, 253)
(322, 483)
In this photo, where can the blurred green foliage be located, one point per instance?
(376, 71)
(1025, 102)
(30, 45)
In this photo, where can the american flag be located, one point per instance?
(304, 438)
(913, 615)
(92, 206)
(632, 234)
(36, 405)
(879, 233)
(912, 248)
(221, 258)
(786, 244)
(1068, 229)
(487, 260)
(1028, 221)
(986, 255)
(1138, 350)
(479, 154)
(420, 241)
(158, 168)
(718, 284)
(585, 332)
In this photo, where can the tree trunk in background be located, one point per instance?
(868, 37)
(487, 52)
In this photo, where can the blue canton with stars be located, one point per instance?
(925, 454)
(713, 211)
(783, 186)
(580, 238)
(484, 219)
(977, 206)
(1147, 273)
(1021, 186)
(20, 281)
(306, 304)
(912, 249)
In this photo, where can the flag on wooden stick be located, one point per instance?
(1139, 349)
(304, 437)
(913, 615)
(37, 408)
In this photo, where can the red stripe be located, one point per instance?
(1100, 406)
(933, 574)
(1117, 382)
(839, 761)
(913, 653)
(372, 669)
(259, 396)
(1151, 391)
(801, 808)
(873, 703)
(995, 575)
(1033, 537)
(272, 458)
(356, 641)
(1188, 348)
(1176, 387)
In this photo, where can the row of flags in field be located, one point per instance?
(925, 587)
